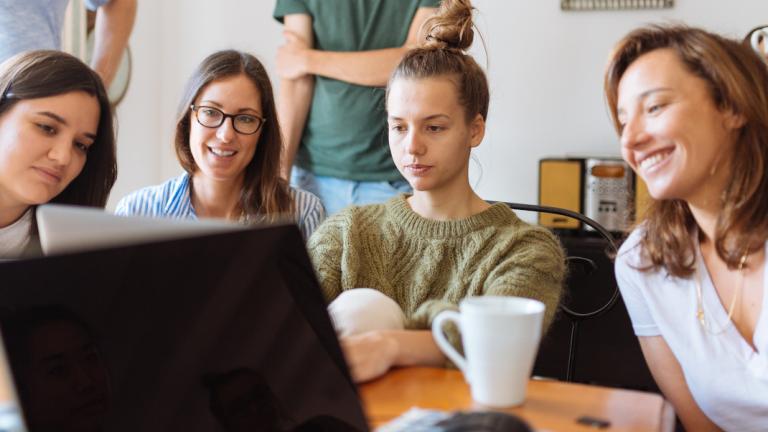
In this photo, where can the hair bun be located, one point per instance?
(450, 27)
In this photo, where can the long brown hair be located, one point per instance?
(738, 82)
(445, 38)
(265, 195)
(40, 74)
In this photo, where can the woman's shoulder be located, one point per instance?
(156, 200)
(305, 201)
(355, 218)
(632, 265)
(513, 227)
(630, 252)
(361, 215)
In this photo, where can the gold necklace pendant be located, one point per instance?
(700, 316)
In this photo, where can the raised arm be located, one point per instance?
(367, 68)
(296, 92)
(669, 376)
(114, 22)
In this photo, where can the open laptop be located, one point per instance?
(66, 228)
(221, 332)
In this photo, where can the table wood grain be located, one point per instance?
(549, 405)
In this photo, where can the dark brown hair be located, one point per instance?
(445, 38)
(265, 195)
(738, 82)
(39, 74)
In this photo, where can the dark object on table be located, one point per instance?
(483, 421)
(593, 422)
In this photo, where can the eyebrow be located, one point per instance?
(218, 105)
(649, 92)
(59, 119)
(53, 116)
(643, 95)
(430, 117)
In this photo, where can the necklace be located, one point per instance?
(700, 303)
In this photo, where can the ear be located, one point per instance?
(476, 130)
(734, 121)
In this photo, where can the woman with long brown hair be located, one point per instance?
(57, 142)
(228, 142)
(691, 108)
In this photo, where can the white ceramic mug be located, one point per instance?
(500, 336)
(759, 41)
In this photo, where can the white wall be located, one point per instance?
(139, 117)
(545, 71)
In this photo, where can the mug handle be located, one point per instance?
(755, 41)
(442, 341)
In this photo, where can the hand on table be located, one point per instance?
(369, 355)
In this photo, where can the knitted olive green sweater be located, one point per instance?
(428, 266)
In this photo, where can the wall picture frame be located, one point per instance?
(587, 5)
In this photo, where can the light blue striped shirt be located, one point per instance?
(171, 199)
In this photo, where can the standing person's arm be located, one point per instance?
(669, 377)
(295, 93)
(367, 68)
(114, 23)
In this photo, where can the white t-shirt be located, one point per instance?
(15, 237)
(726, 377)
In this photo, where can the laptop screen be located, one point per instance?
(225, 332)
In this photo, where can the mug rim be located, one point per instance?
(536, 306)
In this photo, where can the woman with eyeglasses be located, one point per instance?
(228, 142)
(57, 142)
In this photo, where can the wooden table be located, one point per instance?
(549, 405)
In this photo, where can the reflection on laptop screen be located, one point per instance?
(225, 332)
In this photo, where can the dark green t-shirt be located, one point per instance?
(345, 135)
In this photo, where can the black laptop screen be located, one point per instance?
(225, 332)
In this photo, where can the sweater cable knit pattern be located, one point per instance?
(428, 266)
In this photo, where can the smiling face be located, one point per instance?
(43, 146)
(221, 153)
(672, 133)
(429, 136)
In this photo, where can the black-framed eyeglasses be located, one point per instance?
(210, 117)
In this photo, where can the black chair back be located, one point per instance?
(591, 340)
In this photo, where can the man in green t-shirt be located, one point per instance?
(333, 67)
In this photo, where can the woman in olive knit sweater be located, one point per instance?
(421, 254)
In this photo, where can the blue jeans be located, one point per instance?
(336, 193)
